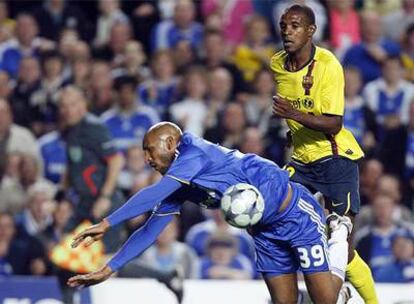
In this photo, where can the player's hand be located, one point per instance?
(283, 108)
(96, 277)
(91, 234)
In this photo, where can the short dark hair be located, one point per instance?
(123, 81)
(305, 10)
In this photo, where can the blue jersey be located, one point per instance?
(129, 129)
(212, 169)
(201, 172)
(53, 150)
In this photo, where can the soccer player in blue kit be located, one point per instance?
(289, 237)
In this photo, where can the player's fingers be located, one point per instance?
(89, 241)
(75, 281)
(77, 240)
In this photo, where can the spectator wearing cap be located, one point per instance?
(128, 121)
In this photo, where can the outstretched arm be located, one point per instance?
(143, 201)
(134, 246)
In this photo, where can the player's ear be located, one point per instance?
(170, 143)
(311, 29)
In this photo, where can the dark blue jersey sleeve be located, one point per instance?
(146, 235)
(145, 200)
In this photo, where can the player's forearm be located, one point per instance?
(115, 164)
(145, 200)
(139, 241)
(322, 123)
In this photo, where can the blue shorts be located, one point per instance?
(336, 178)
(297, 241)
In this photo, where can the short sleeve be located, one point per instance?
(332, 98)
(101, 141)
(188, 164)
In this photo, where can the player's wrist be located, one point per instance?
(105, 224)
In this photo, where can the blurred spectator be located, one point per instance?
(160, 91)
(191, 112)
(136, 174)
(371, 171)
(40, 206)
(26, 44)
(53, 151)
(19, 256)
(358, 118)
(80, 73)
(407, 55)
(110, 13)
(373, 242)
(401, 268)
(100, 93)
(7, 25)
(6, 86)
(371, 52)
(389, 186)
(55, 231)
(381, 7)
(223, 261)
(316, 6)
(216, 56)
(113, 50)
(344, 28)
(396, 22)
(44, 100)
(14, 138)
(133, 63)
(198, 235)
(182, 26)
(28, 82)
(229, 131)
(220, 93)
(128, 121)
(55, 15)
(184, 56)
(253, 142)
(256, 49)
(258, 105)
(14, 187)
(231, 17)
(93, 163)
(167, 253)
(389, 97)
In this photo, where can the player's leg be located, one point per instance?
(343, 199)
(323, 263)
(283, 288)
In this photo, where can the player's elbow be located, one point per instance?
(335, 125)
(335, 129)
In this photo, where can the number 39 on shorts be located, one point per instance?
(311, 256)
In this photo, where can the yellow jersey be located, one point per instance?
(316, 89)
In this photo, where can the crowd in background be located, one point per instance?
(81, 82)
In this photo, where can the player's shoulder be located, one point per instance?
(278, 59)
(326, 57)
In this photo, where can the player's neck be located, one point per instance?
(301, 58)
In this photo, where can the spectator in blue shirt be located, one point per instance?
(168, 33)
(372, 50)
(401, 268)
(26, 44)
(53, 152)
(128, 121)
(223, 261)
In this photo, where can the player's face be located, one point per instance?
(295, 31)
(159, 152)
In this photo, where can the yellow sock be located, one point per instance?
(359, 274)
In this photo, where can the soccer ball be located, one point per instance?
(242, 205)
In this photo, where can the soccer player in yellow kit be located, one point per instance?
(310, 95)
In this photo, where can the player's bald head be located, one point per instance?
(164, 129)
